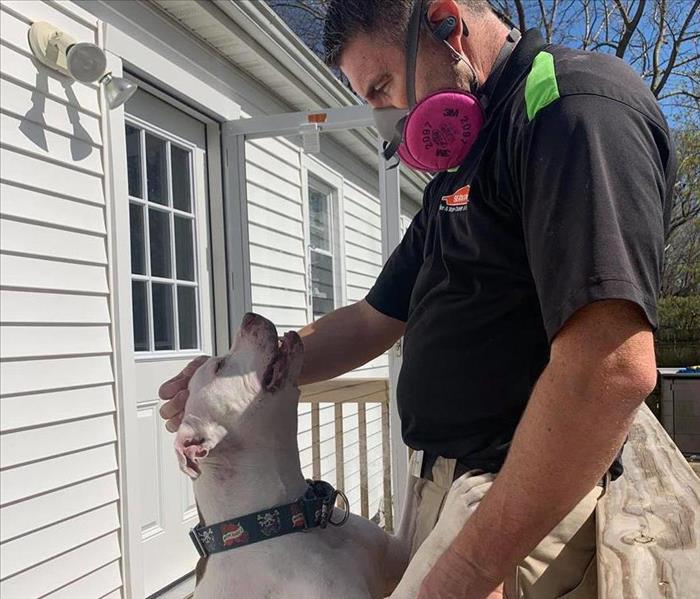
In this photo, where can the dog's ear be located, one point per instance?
(295, 353)
(286, 365)
(192, 445)
(276, 373)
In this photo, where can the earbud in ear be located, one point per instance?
(444, 30)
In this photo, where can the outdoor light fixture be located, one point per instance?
(81, 61)
(117, 89)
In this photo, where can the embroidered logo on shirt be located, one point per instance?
(457, 201)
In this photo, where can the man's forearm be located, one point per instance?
(576, 421)
(564, 444)
(345, 339)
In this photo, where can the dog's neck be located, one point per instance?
(255, 467)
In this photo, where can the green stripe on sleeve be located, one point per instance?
(541, 86)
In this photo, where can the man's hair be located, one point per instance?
(347, 18)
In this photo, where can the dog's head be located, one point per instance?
(226, 389)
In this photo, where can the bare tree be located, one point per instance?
(659, 38)
(305, 18)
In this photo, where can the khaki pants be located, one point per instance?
(562, 566)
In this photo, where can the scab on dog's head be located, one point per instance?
(225, 387)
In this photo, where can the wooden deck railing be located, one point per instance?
(649, 521)
(362, 392)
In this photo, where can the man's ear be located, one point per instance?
(441, 10)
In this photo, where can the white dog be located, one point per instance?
(238, 440)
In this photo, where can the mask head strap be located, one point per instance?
(412, 40)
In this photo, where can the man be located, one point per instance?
(528, 305)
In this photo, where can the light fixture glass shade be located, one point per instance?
(85, 62)
(117, 89)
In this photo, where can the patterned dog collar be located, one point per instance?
(314, 508)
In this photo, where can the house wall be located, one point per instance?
(59, 465)
(277, 174)
(59, 514)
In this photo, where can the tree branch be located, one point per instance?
(630, 26)
(674, 50)
(659, 42)
(522, 23)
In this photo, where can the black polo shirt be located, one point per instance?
(563, 201)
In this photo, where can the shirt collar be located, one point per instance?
(518, 64)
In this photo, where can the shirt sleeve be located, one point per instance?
(391, 293)
(593, 183)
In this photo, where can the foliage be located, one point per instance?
(682, 256)
(678, 337)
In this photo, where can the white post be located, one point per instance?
(390, 196)
(236, 215)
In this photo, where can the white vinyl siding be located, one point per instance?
(276, 232)
(363, 256)
(59, 499)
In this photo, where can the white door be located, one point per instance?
(172, 314)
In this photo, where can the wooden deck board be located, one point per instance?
(649, 521)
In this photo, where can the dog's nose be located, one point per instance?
(259, 328)
(248, 319)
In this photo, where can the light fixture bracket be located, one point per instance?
(50, 46)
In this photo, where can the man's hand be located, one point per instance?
(175, 394)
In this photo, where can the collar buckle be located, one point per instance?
(201, 549)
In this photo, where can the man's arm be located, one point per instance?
(337, 343)
(345, 339)
(602, 368)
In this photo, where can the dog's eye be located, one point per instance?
(219, 365)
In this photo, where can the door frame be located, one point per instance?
(154, 73)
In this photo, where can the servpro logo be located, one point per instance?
(457, 201)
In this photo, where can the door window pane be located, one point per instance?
(320, 222)
(184, 249)
(163, 251)
(187, 317)
(156, 170)
(133, 161)
(180, 165)
(159, 233)
(138, 241)
(322, 284)
(139, 306)
(163, 322)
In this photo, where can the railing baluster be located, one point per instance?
(362, 434)
(386, 468)
(339, 450)
(315, 442)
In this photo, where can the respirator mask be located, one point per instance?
(437, 133)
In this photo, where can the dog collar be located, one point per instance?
(313, 509)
